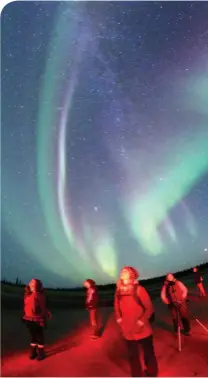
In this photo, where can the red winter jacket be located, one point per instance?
(173, 292)
(35, 307)
(129, 311)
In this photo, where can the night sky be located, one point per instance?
(104, 139)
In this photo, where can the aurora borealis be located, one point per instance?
(104, 139)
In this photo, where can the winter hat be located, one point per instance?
(37, 284)
(170, 277)
(133, 273)
(90, 282)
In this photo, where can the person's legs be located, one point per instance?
(201, 289)
(184, 318)
(174, 316)
(40, 341)
(149, 356)
(134, 358)
(94, 322)
(33, 341)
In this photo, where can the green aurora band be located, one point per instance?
(145, 213)
(183, 166)
(65, 242)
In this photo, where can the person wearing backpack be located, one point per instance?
(174, 294)
(134, 312)
(34, 316)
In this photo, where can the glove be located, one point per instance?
(119, 320)
(140, 323)
(89, 305)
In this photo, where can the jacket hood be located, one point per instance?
(90, 282)
(36, 285)
(131, 271)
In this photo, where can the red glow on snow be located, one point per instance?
(77, 355)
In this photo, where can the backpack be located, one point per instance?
(139, 302)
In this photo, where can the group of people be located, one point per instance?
(134, 314)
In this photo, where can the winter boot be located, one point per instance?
(95, 333)
(41, 353)
(147, 374)
(33, 351)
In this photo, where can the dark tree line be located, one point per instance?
(182, 274)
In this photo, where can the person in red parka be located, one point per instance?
(91, 305)
(34, 315)
(199, 282)
(174, 294)
(134, 311)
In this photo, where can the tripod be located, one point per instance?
(178, 305)
(178, 327)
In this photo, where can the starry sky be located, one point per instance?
(104, 139)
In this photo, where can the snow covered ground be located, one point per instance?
(71, 352)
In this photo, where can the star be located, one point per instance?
(104, 130)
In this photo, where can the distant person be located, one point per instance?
(92, 306)
(134, 311)
(174, 294)
(199, 282)
(34, 315)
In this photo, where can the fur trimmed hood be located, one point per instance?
(90, 282)
(36, 285)
(129, 287)
(133, 273)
